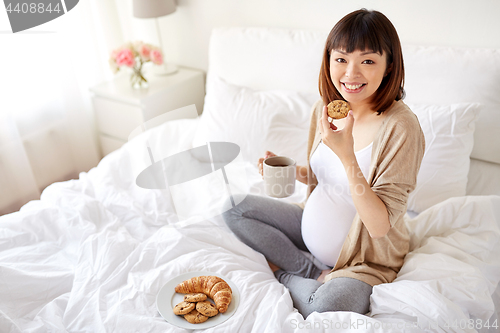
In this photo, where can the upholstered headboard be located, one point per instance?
(268, 58)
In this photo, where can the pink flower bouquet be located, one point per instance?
(134, 55)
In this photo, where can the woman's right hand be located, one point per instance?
(261, 162)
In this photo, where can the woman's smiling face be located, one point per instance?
(357, 75)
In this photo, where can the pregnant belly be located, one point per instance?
(326, 221)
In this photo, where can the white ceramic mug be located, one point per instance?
(279, 176)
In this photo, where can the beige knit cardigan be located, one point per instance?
(397, 152)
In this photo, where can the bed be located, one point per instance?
(93, 253)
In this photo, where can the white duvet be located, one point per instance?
(92, 254)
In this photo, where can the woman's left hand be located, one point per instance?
(341, 141)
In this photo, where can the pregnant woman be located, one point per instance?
(349, 233)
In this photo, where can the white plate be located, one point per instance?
(167, 299)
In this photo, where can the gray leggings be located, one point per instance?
(273, 228)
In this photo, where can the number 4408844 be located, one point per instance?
(473, 324)
(33, 8)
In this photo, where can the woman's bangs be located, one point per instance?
(356, 37)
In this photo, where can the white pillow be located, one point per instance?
(278, 121)
(449, 138)
(274, 120)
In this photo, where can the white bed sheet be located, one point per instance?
(92, 254)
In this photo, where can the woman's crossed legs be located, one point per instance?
(273, 228)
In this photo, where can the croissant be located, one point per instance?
(212, 286)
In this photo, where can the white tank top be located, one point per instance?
(329, 210)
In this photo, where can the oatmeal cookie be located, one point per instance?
(338, 109)
(194, 317)
(193, 298)
(183, 308)
(206, 308)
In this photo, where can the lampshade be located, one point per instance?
(153, 8)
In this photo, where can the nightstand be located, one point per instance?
(119, 109)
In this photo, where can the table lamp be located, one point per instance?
(155, 9)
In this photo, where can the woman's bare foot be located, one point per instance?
(323, 275)
(274, 268)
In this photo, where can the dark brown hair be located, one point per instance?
(366, 30)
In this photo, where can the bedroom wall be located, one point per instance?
(185, 34)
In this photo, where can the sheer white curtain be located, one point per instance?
(47, 129)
